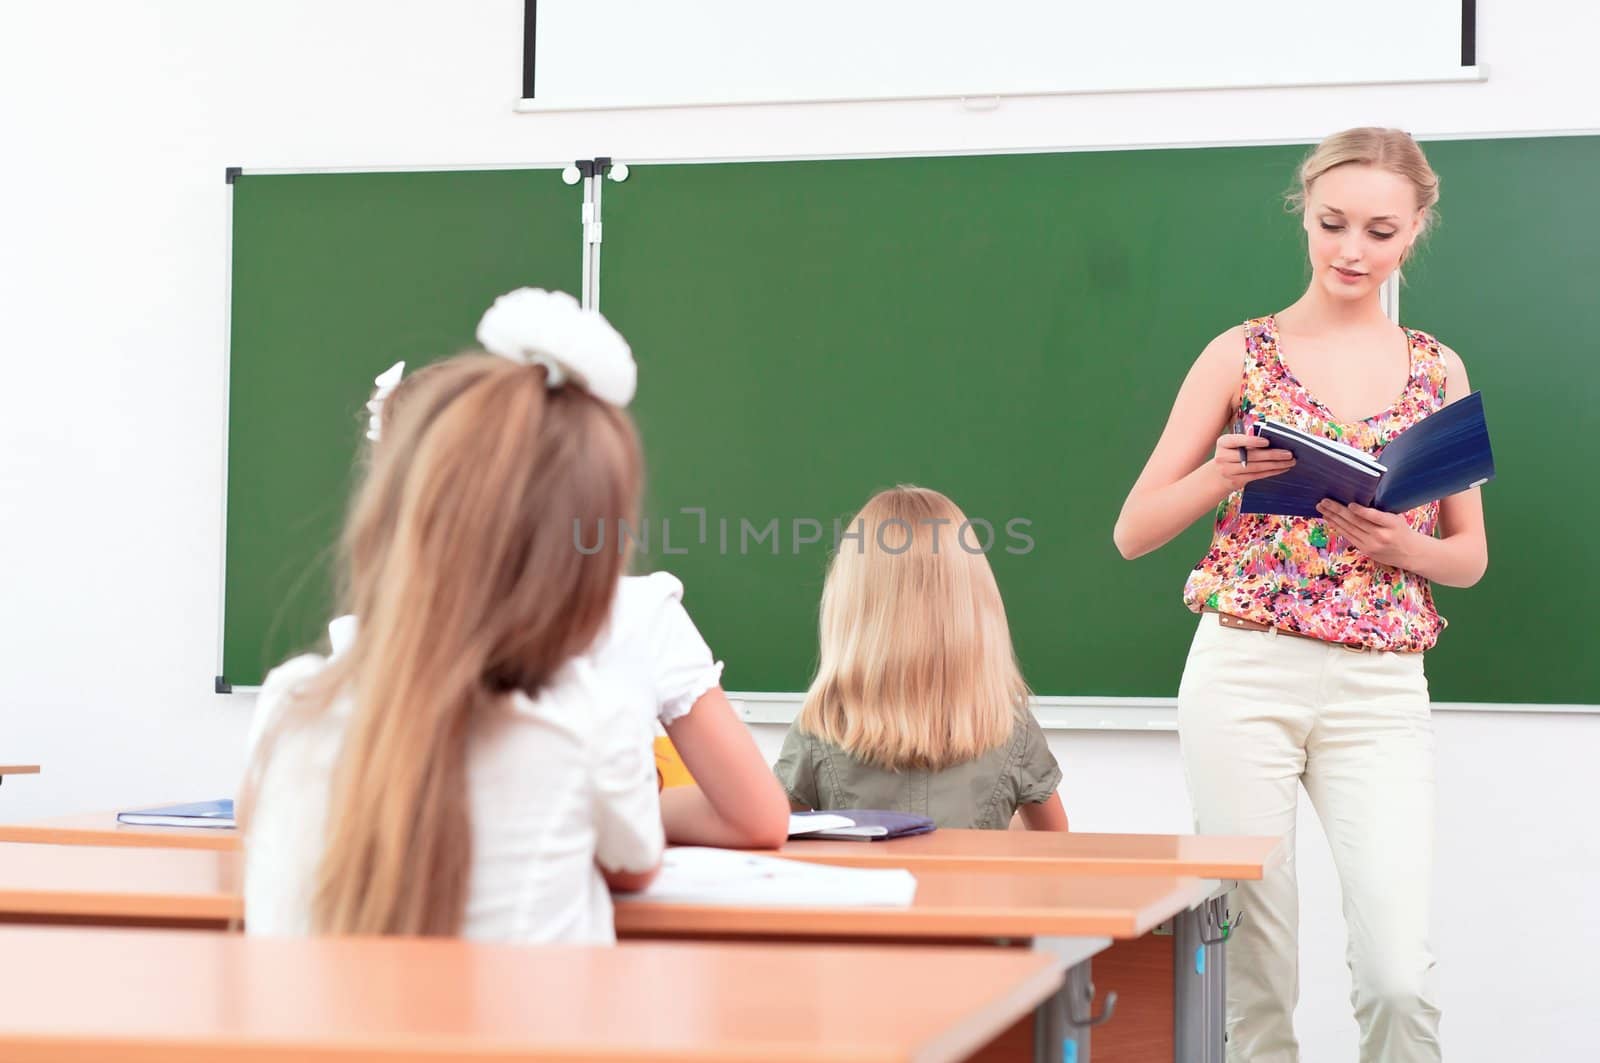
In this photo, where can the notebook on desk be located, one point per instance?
(197, 814)
(857, 824)
(696, 875)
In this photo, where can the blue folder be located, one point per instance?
(868, 825)
(1441, 455)
(198, 814)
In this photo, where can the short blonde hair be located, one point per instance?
(1392, 150)
(917, 668)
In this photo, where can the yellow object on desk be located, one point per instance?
(670, 768)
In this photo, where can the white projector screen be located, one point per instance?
(642, 53)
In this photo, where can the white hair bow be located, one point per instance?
(536, 327)
(386, 382)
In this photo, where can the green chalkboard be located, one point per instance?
(1012, 330)
(1509, 279)
(335, 277)
(1008, 329)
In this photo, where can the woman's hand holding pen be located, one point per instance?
(1242, 458)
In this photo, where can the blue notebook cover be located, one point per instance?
(196, 814)
(1438, 456)
(872, 825)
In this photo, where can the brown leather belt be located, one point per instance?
(1239, 623)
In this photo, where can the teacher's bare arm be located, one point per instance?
(1460, 555)
(1191, 469)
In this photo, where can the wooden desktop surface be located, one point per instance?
(102, 828)
(147, 996)
(19, 769)
(948, 904)
(1242, 858)
(196, 887)
(90, 883)
(1193, 856)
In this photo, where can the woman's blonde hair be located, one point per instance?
(460, 561)
(1392, 150)
(917, 668)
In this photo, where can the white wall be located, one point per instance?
(735, 51)
(118, 121)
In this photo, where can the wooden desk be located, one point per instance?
(1071, 918)
(1177, 1013)
(1193, 954)
(1179, 855)
(160, 995)
(202, 888)
(17, 769)
(1045, 912)
(949, 905)
(1048, 852)
(119, 887)
(102, 828)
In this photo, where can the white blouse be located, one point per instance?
(556, 784)
(651, 649)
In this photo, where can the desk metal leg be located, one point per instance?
(1199, 990)
(1057, 1035)
(1062, 1023)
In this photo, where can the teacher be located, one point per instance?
(1307, 666)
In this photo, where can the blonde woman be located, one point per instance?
(1307, 666)
(918, 705)
(463, 768)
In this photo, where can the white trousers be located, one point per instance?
(1259, 714)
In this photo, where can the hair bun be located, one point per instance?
(537, 327)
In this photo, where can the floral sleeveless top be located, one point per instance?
(1293, 572)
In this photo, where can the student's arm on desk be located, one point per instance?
(736, 802)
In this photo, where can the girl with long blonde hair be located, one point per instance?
(718, 789)
(462, 768)
(918, 704)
